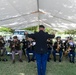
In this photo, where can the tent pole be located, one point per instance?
(38, 12)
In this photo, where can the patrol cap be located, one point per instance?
(15, 37)
(58, 37)
(41, 26)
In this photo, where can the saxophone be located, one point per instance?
(58, 46)
(1, 40)
(67, 51)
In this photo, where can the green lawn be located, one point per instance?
(25, 68)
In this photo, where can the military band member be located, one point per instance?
(24, 45)
(2, 46)
(41, 48)
(24, 42)
(30, 49)
(66, 43)
(15, 46)
(58, 48)
(49, 45)
(71, 50)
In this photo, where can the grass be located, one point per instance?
(25, 68)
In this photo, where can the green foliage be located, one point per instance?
(49, 30)
(70, 32)
(25, 68)
(5, 29)
(33, 28)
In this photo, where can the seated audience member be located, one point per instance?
(58, 48)
(15, 46)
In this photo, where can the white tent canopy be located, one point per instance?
(57, 14)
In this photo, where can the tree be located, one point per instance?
(70, 32)
(34, 28)
(5, 29)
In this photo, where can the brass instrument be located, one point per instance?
(30, 44)
(1, 40)
(13, 44)
(58, 46)
(67, 51)
(16, 43)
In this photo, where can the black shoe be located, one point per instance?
(48, 60)
(13, 61)
(70, 61)
(32, 60)
(20, 60)
(1, 54)
(4, 60)
(0, 59)
(59, 60)
(54, 60)
(73, 62)
(29, 61)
